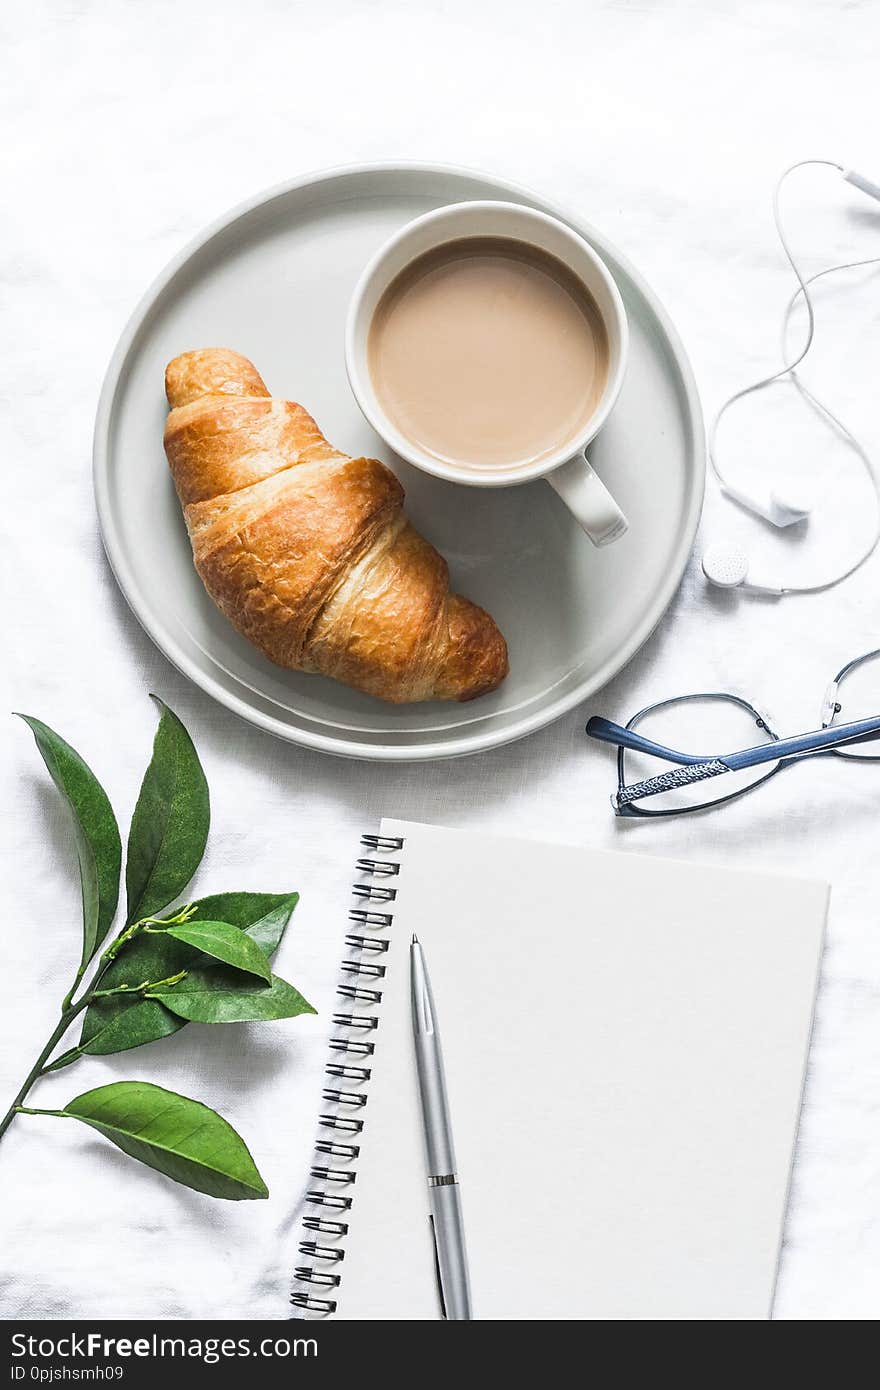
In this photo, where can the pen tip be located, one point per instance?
(415, 940)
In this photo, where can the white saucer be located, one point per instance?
(272, 280)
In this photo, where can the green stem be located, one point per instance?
(116, 946)
(117, 989)
(65, 1003)
(30, 1110)
(133, 929)
(134, 989)
(145, 924)
(74, 1054)
(69, 1012)
(67, 1017)
(165, 984)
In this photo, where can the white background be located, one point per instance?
(125, 129)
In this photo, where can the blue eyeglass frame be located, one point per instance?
(691, 768)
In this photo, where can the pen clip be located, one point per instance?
(437, 1268)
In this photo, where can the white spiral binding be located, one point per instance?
(349, 1068)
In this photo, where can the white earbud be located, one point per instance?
(781, 506)
(728, 568)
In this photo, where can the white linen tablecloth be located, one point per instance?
(126, 129)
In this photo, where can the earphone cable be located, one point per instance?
(838, 424)
(789, 369)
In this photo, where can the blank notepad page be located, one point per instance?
(625, 1041)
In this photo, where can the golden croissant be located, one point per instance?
(307, 551)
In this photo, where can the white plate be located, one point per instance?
(272, 280)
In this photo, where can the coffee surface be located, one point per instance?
(488, 353)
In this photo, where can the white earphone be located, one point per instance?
(728, 568)
(724, 566)
(779, 507)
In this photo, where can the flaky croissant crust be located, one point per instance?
(307, 551)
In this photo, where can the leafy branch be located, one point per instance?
(208, 961)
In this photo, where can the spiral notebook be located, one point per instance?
(625, 1042)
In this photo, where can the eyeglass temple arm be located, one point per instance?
(801, 745)
(608, 732)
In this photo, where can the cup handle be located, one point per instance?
(589, 500)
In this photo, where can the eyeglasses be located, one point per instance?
(712, 720)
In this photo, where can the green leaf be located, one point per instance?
(182, 1138)
(217, 995)
(224, 942)
(120, 1023)
(98, 846)
(261, 916)
(169, 828)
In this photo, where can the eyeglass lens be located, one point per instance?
(858, 697)
(705, 726)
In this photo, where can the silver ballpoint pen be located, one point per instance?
(443, 1191)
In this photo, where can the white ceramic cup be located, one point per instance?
(567, 469)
